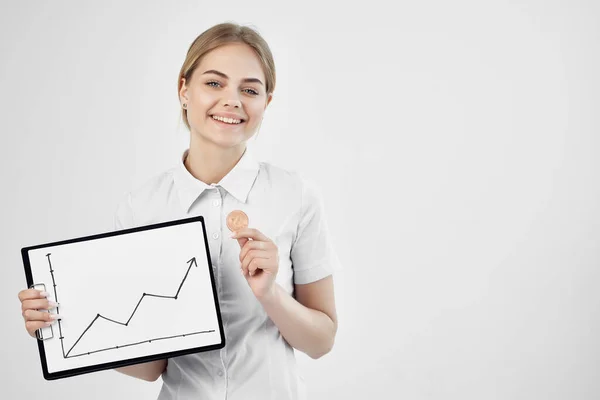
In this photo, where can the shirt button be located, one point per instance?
(215, 235)
(216, 203)
(220, 372)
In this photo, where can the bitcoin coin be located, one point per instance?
(237, 220)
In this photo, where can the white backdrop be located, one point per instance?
(455, 144)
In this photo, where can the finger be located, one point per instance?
(30, 294)
(254, 265)
(34, 315)
(252, 254)
(247, 261)
(250, 233)
(38, 304)
(242, 242)
(33, 326)
(258, 265)
(255, 245)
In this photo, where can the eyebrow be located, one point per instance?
(252, 80)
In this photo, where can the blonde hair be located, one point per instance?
(220, 35)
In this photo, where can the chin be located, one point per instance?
(225, 141)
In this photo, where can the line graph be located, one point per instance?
(67, 354)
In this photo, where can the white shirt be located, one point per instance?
(256, 362)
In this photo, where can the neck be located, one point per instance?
(209, 163)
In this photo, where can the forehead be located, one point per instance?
(236, 60)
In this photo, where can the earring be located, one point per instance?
(184, 105)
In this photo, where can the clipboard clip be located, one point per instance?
(46, 332)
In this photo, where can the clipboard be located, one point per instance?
(126, 297)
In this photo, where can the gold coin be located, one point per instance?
(237, 220)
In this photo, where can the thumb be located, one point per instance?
(242, 241)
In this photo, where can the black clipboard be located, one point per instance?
(112, 341)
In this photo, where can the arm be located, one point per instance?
(150, 371)
(309, 322)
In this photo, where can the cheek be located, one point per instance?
(255, 112)
(204, 103)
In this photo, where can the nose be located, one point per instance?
(231, 98)
(233, 103)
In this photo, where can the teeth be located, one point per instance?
(227, 120)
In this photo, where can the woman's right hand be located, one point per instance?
(33, 300)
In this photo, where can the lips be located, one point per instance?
(228, 118)
(226, 125)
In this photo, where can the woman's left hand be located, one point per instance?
(259, 259)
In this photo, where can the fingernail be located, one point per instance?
(48, 323)
(44, 294)
(52, 304)
(233, 235)
(55, 316)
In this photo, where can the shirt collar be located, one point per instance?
(237, 182)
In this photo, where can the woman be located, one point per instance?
(274, 278)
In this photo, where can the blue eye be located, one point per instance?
(216, 84)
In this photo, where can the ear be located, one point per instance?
(183, 91)
(269, 98)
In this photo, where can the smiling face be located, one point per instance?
(226, 96)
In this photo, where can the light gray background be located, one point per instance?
(455, 143)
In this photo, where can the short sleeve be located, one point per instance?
(124, 214)
(313, 256)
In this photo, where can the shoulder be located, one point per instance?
(294, 189)
(277, 174)
(159, 185)
(152, 194)
(287, 180)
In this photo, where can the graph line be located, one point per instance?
(192, 262)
